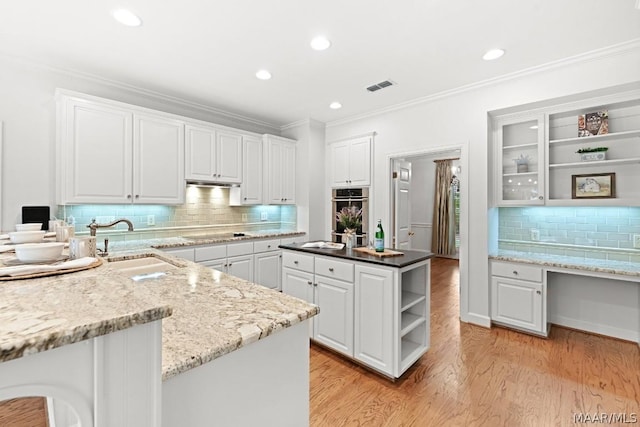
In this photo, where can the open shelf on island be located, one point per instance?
(409, 299)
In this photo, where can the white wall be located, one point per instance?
(310, 177)
(462, 118)
(27, 108)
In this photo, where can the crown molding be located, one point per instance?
(141, 91)
(303, 122)
(605, 52)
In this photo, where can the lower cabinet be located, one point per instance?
(267, 269)
(376, 315)
(518, 295)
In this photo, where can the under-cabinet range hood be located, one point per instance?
(192, 183)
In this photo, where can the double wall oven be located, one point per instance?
(344, 198)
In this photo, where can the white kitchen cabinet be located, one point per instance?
(108, 152)
(235, 259)
(518, 296)
(212, 154)
(334, 325)
(267, 263)
(279, 170)
(374, 320)
(378, 315)
(158, 160)
(250, 191)
(350, 162)
(241, 266)
(519, 160)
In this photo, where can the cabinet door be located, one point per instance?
(273, 172)
(268, 268)
(360, 162)
(97, 145)
(517, 303)
(519, 174)
(241, 266)
(374, 320)
(289, 173)
(339, 164)
(333, 326)
(158, 160)
(229, 157)
(298, 284)
(251, 188)
(200, 147)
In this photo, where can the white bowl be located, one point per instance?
(31, 252)
(29, 227)
(26, 236)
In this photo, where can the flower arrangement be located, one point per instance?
(350, 218)
(592, 150)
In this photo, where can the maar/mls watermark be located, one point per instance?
(605, 418)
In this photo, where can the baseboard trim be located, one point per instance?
(476, 319)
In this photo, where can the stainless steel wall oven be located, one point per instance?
(346, 197)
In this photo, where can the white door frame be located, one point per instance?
(464, 209)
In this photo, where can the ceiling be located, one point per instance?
(208, 51)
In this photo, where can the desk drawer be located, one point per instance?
(298, 261)
(335, 269)
(516, 271)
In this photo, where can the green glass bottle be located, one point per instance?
(379, 240)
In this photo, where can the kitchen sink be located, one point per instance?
(149, 265)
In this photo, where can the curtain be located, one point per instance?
(442, 238)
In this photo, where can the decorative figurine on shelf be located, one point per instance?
(522, 163)
(350, 218)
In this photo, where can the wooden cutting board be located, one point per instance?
(387, 252)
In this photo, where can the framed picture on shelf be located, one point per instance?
(593, 186)
(596, 123)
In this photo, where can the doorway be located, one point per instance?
(417, 208)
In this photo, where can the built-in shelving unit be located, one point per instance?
(414, 315)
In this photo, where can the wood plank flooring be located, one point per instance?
(474, 376)
(24, 412)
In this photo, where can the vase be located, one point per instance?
(349, 239)
(522, 167)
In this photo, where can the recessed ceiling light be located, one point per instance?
(126, 17)
(263, 75)
(493, 54)
(335, 105)
(320, 43)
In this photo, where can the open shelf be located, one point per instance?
(519, 146)
(409, 322)
(520, 174)
(596, 163)
(409, 299)
(597, 138)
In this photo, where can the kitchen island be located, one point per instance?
(373, 310)
(97, 340)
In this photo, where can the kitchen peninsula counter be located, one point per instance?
(407, 258)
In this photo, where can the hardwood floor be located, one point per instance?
(473, 376)
(24, 412)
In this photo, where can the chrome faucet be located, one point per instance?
(94, 225)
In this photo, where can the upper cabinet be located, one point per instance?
(350, 162)
(108, 153)
(519, 178)
(213, 155)
(578, 153)
(279, 170)
(250, 191)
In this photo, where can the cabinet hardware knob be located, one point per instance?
(538, 292)
(230, 265)
(128, 196)
(137, 196)
(515, 272)
(295, 262)
(540, 197)
(331, 270)
(309, 282)
(245, 198)
(315, 284)
(268, 246)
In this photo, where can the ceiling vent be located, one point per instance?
(380, 85)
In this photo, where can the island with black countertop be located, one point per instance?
(373, 310)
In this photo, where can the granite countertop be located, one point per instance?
(202, 238)
(210, 313)
(46, 313)
(623, 268)
(409, 257)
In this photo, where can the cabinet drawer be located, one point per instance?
(298, 261)
(291, 240)
(206, 253)
(333, 268)
(236, 249)
(516, 271)
(266, 245)
(182, 253)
